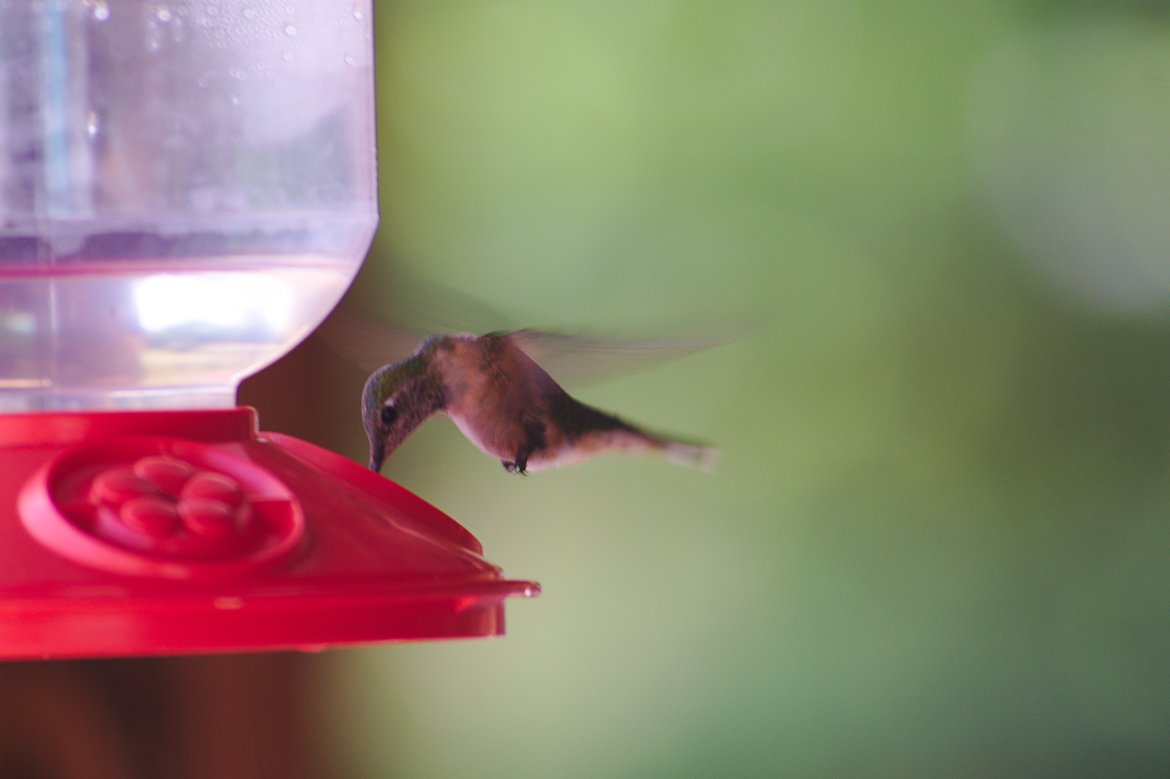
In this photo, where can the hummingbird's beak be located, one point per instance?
(377, 455)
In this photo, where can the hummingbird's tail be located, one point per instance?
(675, 450)
(705, 458)
(626, 437)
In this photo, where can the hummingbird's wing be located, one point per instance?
(577, 359)
(364, 342)
(573, 360)
(414, 310)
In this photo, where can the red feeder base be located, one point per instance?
(151, 533)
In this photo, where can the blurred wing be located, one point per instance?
(576, 360)
(412, 310)
(366, 342)
(415, 308)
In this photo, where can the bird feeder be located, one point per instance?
(187, 188)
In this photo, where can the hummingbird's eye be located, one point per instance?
(389, 415)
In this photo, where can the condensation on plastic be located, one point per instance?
(187, 187)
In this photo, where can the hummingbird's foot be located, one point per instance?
(534, 431)
(517, 467)
(520, 463)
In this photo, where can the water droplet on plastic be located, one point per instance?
(290, 30)
(101, 10)
(287, 56)
(349, 60)
(92, 125)
(163, 14)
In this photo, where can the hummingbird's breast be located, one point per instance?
(486, 399)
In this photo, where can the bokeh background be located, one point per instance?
(937, 543)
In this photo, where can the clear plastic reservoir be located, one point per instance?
(187, 187)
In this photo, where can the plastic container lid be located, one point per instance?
(148, 533)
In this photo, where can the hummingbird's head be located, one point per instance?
(398, 398)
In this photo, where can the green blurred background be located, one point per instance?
(937, 543)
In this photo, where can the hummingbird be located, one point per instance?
(504, 403)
